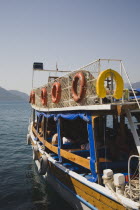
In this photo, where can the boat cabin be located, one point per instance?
(87, 143)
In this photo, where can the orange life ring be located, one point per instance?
(32, 97)
(56, 92)
(78, 77)
(44, 96)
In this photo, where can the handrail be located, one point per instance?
(129, 174)
(69, 156)
(130, 84)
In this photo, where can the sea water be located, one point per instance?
(21, 188)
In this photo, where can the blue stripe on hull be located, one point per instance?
(77, 196)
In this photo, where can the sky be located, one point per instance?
(70, 32)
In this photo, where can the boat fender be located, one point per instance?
(101, 90)
(56, 92)
(32, 97)
(44, 96)
(29, 127)
(28, 139)
(42, 168)
(79, 77)
(35, 152)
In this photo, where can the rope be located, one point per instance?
(130, 191)
(115, 194)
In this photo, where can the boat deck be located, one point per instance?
(97, 107)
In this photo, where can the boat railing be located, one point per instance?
(91, 72)
(84, 162)
(134, 180)
(128, 79)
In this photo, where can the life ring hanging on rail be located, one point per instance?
(81, 78)
(56, 92)
(44, 96)
(32, 97)
(100, 89)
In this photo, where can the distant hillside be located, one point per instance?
(134, 85)
(12, 95)
(24, 96)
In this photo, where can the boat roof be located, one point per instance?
(91, 101)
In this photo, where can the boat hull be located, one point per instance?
(65, 192)
(77, 194)
(77, 189)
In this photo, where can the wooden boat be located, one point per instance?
(84, 133)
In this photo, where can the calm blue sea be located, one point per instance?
(20, 185)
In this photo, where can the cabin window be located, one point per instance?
(47, 128)
(74, 138)
(114, 142)
(50, 130)
(109, 121)
(40, 125)
(74, 132)
(120, 141)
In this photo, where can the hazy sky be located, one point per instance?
(71, 32)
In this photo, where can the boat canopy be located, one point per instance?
(67, 116)
(86, 116)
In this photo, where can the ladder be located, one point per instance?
(133, 127)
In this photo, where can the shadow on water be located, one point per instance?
(42, 195)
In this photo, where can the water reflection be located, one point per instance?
(42, 194)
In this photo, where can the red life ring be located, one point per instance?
(32, 97)
(56, 92)
(78, 77)
(44, 96)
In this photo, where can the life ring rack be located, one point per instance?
(44, 96)
(32, 97)
(101, 90)
(78, 77)
(56, 92)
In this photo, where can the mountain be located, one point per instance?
(22, 95)
(12, 95)
(135, 85)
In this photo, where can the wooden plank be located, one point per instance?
(75, 158)
(72, 150)
(87, 107)
(97, 195)
(69, 156)
(47, 144)
(92, 196)
(92, 200)
(93, 119)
